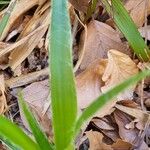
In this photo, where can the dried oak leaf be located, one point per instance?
(100, 39)
(119, 68)
(138, 7)
(96, 141)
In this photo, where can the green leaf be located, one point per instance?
(39, 135)
(107, 97)
(63, 93)
(15, 135)
(6, 17)
(128, 28)
(9, 144)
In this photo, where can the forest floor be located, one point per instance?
(102, 58)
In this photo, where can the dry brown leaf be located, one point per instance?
(96, 141)
(138, 7)
(137, 113)
(102, 124)
(88, 87)
(3, 102)
(17, 12)
(21, 52)
(119, 68)
(121, 145)
(89, 83)
(128, 135)
(37, 97)
(80, 5)
(100, 39)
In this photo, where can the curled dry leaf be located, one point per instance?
(96, 141)
(119, 68)
(88, 87)
(17, 12)
(100, 39)
(3, 102)
(37, 97)
(21, 52)
(129, 135)
(140, 7)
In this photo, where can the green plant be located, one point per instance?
(126, 25)
(66, 123)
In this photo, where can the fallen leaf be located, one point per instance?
(18, 10)
(96, 141)
(89, 83)
(119, 68)
(100, 39)
(37, 97)
(137, 113)
(138, 7)
(129, 135)
(20, 53)
(102, 124)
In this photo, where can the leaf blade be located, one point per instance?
(10, 130)
(126, 25)
(40, 137)
(62, 79)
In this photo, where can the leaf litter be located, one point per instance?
(104, 59)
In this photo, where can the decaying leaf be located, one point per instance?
(96, 141)
(37, 97)
(119, 68)
(100, 39)
(138, 10)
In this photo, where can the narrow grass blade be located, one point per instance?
(40, 137)
(8, 143)
(4, 2)
(128, 28)
(6, 16)
(16, 135)
(63, 94)
(108, 96)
